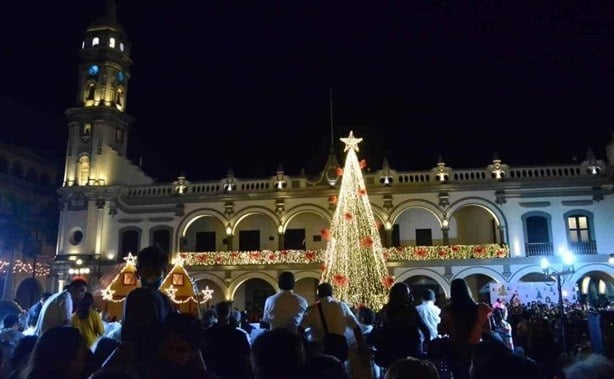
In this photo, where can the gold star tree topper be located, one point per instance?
(351, 142)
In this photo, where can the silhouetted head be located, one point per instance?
(151, 264)
(286, 281)
(325, 289)
(427, 295)
(77, 288)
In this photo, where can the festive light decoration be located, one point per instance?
(391, 254)
(180, 288)
(21, 267)
(354, 259)
(124, 282)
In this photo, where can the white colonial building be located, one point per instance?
(490, 224)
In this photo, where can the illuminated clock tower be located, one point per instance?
(98, 125)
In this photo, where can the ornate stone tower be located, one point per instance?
(98, 125)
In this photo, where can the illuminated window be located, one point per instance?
(112, 42)
(121, 46)
(83, 44)
(95, 41)
(577, 227)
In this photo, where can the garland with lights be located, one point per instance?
(391, 254)
(23, 267)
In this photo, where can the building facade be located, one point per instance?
(490, 224)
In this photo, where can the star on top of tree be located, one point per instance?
(351, 142)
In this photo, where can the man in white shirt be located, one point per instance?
(338, 316)
(285, 309)
(429, 312)
(58, 308)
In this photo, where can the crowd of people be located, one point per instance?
(407, 338)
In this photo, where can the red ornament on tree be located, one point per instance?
(340, 280)
(332, 199)
(366, 242)
(339, 171)
(363, 164)
(362, 192)
(387, 281)
(348, 216)
(325, 234)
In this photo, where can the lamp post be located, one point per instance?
(559, 276)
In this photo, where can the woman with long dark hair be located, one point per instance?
(88, 320)
(401, 329)
(463, 320)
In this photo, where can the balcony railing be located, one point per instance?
(583, 248)
(538, 248)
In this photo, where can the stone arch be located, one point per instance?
(487, 205)
(379, 213)
(307, 274)
(234, 285)
(481, 270)
(306, 208)
(416, 203)
(529, 269)
(591, 267)
(432, 274)
(190, 218)
(244, 213)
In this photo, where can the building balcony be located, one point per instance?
(534, 249)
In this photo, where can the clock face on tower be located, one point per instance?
(93, 70)
(120, 76)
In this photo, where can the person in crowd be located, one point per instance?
(20, 355)
(225, 347)
(358, 364)
(337, 316)
(59, 353)
(10, 331)
(88, 320)
(595, 366)
(144, 311)
(35, 310)
(429, 312)
(411, 367)
(400, 332)
(278, 354)
(285, 309)
(235, 320)
(491, 358)
(323, 366)
(58, 308)
(500, 325)
(179, 355)
(463, 320)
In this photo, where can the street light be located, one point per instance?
(568, 260)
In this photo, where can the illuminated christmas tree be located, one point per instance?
(354, 260)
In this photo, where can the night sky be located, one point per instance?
(220, 84)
